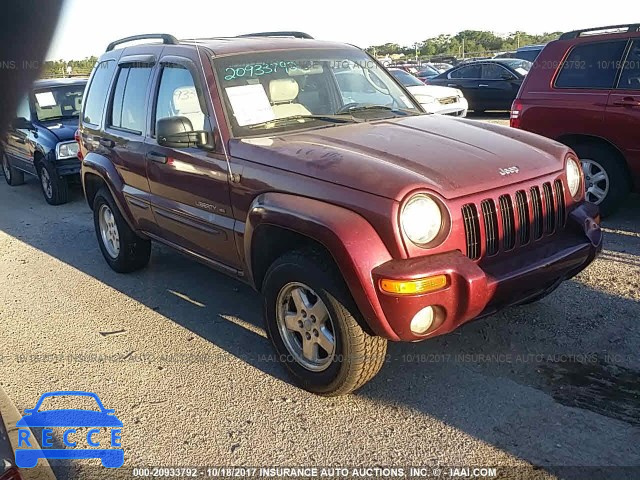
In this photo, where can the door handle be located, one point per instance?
(157, 157)
(627, 102)
(483, 85)
(453, 85)
(107, 142)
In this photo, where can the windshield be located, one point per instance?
(272, 92)
(57, 103)
(406, 78)
(427, 71)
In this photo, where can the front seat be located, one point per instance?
(282, 93)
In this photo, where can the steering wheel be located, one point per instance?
(345, 108)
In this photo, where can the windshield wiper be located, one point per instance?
(295, 118)
(363, 108)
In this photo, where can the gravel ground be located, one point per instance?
(180, 353)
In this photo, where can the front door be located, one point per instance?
(189, 186)
(20, 145)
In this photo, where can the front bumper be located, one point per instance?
(68, 166)
(475, 290)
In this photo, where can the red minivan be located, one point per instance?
(584, 91)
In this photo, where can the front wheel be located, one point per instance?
(54, 187)
(313, 324)
(123, 250)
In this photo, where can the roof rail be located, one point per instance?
(279, 34)
(633, 27)
(165, 37)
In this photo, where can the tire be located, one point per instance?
(126, 252)
(54, 187)
(600, 158)
(13, 176)
(357, 356)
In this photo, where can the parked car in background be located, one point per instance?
(358, 222)
(433, 98)
(441, 67)
(40, 140)
(584, 91)
(529, 52)
(487, 84)
(426, 72)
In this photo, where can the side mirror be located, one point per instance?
(22, 124)
(177, 132)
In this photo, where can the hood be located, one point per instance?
(433, 90)
(391, 157)
(62, 129)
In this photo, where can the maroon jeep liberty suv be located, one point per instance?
(304, 169)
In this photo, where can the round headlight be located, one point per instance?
(421, 219)
(574, 176)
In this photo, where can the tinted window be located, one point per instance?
(23, 110)
(491, 71)
(630, 78)
(129, 96)
(592, 66)
(529, 55)
(468, 71)
(177, 96)
(97, 94)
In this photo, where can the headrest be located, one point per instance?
(185, 100)
(78, 103)
(283, 90)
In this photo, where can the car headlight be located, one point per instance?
(421, 219)
(67, 150)
(424, 99)
(574, 175)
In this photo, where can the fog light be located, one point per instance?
(423, 320)
(413, 287)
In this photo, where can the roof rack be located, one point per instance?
(278, 34)
(165, 37)
(633, 27)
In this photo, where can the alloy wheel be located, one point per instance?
(109, 231)
(306, 327)
(596, 181)
(45, 179)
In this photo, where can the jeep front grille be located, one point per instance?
(513, 222)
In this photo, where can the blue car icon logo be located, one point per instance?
(69, 420)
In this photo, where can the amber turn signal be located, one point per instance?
(413, 287)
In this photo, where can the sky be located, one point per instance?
(358, 22)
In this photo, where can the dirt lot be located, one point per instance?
(180, 353)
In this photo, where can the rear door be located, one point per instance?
(189, 186)
(623, 110)
(468, 79)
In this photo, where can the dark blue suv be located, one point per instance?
(40, 140)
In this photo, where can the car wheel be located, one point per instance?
(313, 325)
(13, 176)
(606, 179)
(54, 187)
(123, 250)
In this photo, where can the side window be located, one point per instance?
(469, 71)
(592, 66)
(23, 110)
(177, 96)
(97, 93)
(127, 108)
(491, 71)
(630, 78)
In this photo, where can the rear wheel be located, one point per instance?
(12, 175)
(123, 250)
(606, 178)
(312, 323)
(54, 187)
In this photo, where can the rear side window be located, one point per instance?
(128, 105)
(97, 94)
(469, 71)
(630, 78)
(592, 66)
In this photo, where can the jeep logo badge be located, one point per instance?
(508, 171)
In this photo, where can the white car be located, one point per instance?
(433, 98)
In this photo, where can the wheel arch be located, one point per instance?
(574, 139)
(278, 222)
